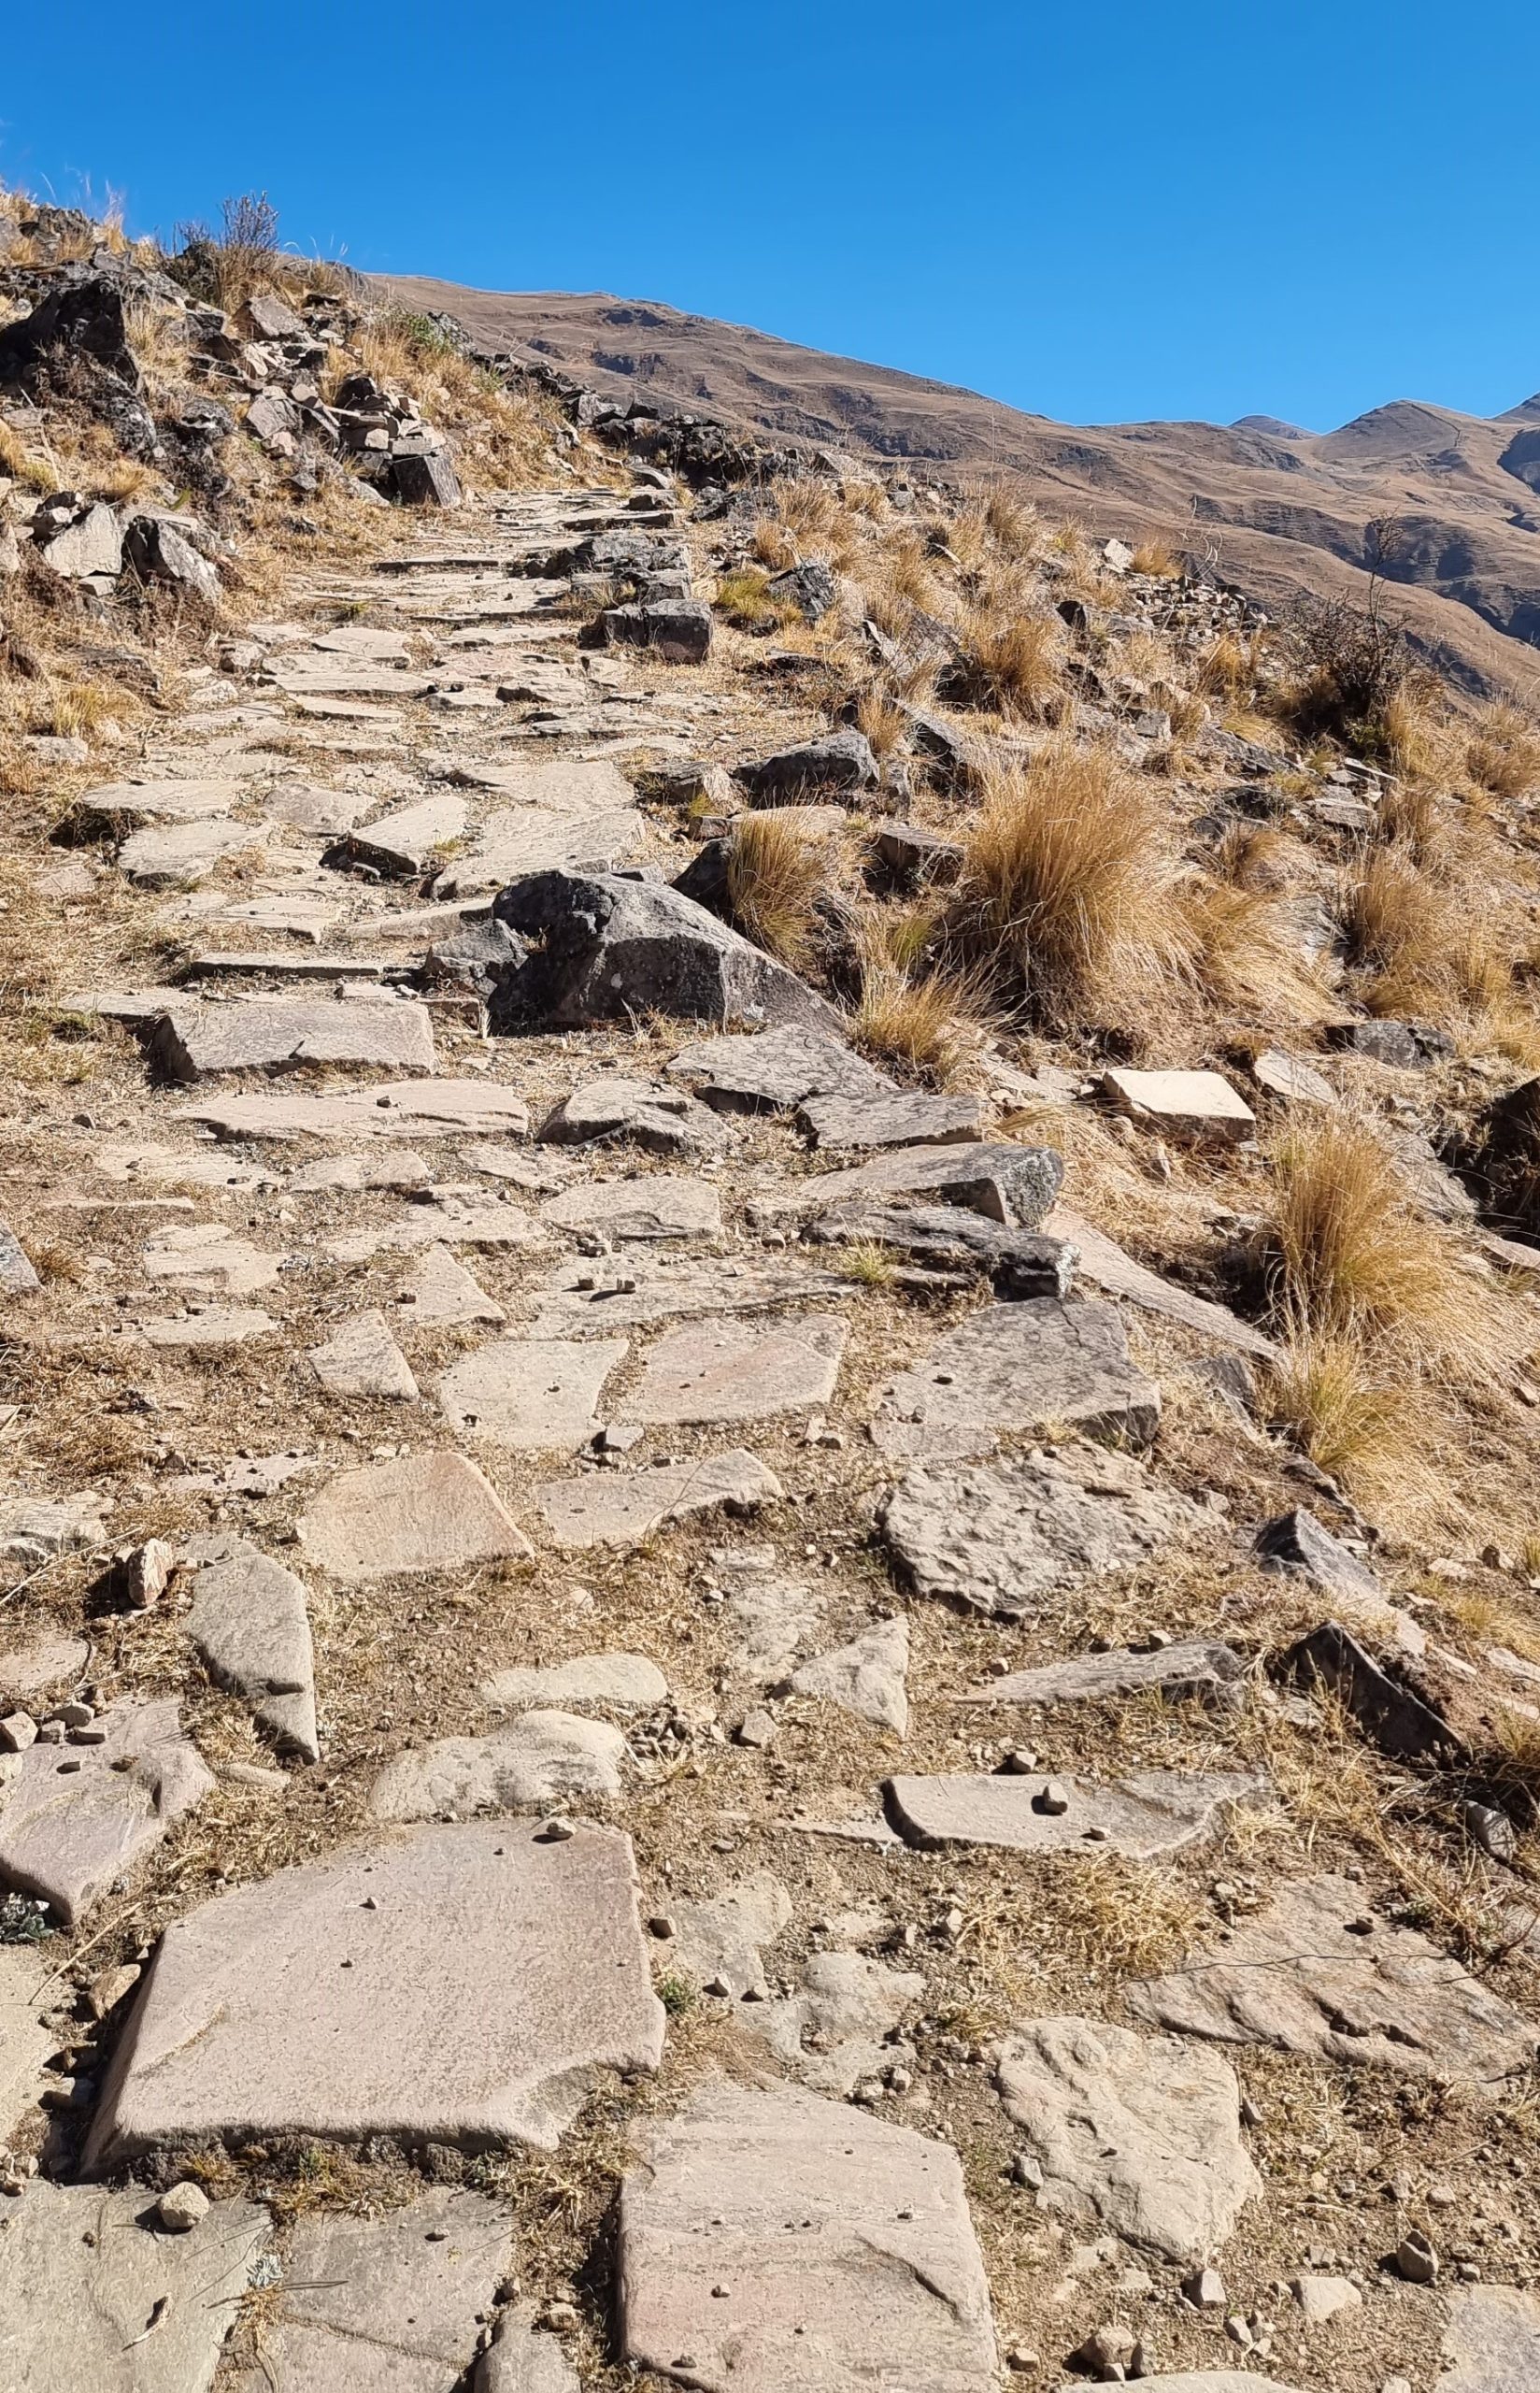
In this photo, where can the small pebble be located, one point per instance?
(181, 2207)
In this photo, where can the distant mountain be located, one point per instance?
(1279, 510)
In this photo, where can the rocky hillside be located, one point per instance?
(1281, 512)
(767, 1553)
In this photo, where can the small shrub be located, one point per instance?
(1348, 1256)
(1504, 757)
(916, 1019)
(1152, 556)
(745, 597)
(775, 875)
(1010, 661)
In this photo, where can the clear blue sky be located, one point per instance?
(1128, 210)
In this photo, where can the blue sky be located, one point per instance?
(1119, 211)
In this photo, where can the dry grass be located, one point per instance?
(745, 597)
(923, 1020)
(1064, 897)
(502, 436)
(1239, 946)
(1504, 757)
(1252, 855)
(1411, 817)
(775, 874)
(1012, 661)
(1228, 669)
(1153, 556)
(885, 725)
(1361, 1419)
(1400, 930)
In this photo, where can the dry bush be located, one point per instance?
(1356, 662)
(897, 579)
(746, 598)
(1251, 855)
(1504, 757)
(1066, 894)
(1012, 661)
(22, 465)
(1153, 556)
(884, 725)
(1239, 949)
(1360, 1421)
(919, 1020)
(502, 434)
(775, 875)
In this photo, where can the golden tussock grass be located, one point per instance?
(1348, 1248)
(1504, 757)
(745, 597)
(1154, 556)
(503, 436)
(922, 1019)
(1253, 855)
(1361, 1419)
(1012, 660)
(1239, 947)
(884, 725)
(775, 874)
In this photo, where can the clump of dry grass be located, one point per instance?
(1011, 661)
(1064, 896)
(775, 875)
(1360, 1418)
(1153, 556)
(1504, 757)
(897, 579)
(1228, 669)
(1251, 856)
(912, 1012)
(884, 725)
(746, 598)
(1239, 950)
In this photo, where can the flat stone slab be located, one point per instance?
(35, 1529)
(272, 1034)
(641, 1113)
(1319, 1973)
(619, 1682)
(773, 1073)
(395, 1110)
(1101, 1261)
(716, 1939)
(611, 1508)
(46, 1661)
(446, 1219)
(768, 1620)
(317, 677)
(212, 1325)
(1197, 1104)
(395, 1168)
(905, 1118)
(17, 1276)
(866, 1678)
(439, 1293)
(1148, 1813)
(1491, 2343)
(523, 2358)
(74, 1817)
(834, 2030)
(537, 1396)
(205, 1254)
(418, 1513)
(1140, 2134)
(403, 841)
(27, 1988)
(178, 856)
(1193, 1665)
(844, 2243)
(539, 1759)
(392, 2304)
(121, 806)
(250, 1623)
(322, 813)
(460, 1985)
(91, 2294)
(1029, 1366)
(363, 1359)
(1293, 1079)
(1015, 1185)
(586, 1299)
(739, 1371)
(654, 1205)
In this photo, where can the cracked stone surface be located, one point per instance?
(32, 1528)
(832, 2032)
(393, 1109)
(84, 2274)
(1319, 1972)
(363, 1359)
(211, 1325)
(844, 2243)
(537, 1396)
(1029, 1365)
(25, 2042)
(867, 1677)
(904, 1118)
(1491, 2343)
(74, 1817)
(418, 1513)
(1012, 1184)
(662, 1121)
(653, 1205)
(616, 1509)
(532, 1762)
(257, 1034)
(1193, 1665)
(1148, 1812)
(250, 1621)
(384, 2306)
(625, 1681)
(203, 1255)
(44, 1661)
(1000, 1537)
(463, 1983)
(1139, 2134)
(523, 2359)
(739, 1371)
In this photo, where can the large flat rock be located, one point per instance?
(74, 1817)
(439, 1293)
(653, 1205)
(1029, 1365)
(418, 1513)
(739, 1371)
(1150, 1811)
(583, 1300)
(178, 856)
(1192, 1666)
(405, 840)
(620, 1110)
(536, 1761)
(27, 1990)
(205, 1254)
(361, 1358)
(33, 1528)
(903, 1118)
(395, 1110)
(835, 2030)
(211, 1325)
(392, 2304)
(717, 1938)
(1102, 1262)
(122, 806)
(866, 1677)
(1320, 1973)
(1191, 1104)
(1140, 2134)
(1491, 2343)
(95, 2299)
(619, 1682)
(271, 1033)
(1015, 1185)
(535, 1395)
(611, 1508)
(844, 2244)
(462, 1984)
(773, 1072)
(250, 1622)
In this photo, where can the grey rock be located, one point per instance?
(677, 629)
(620, 1682)
(405, 840)
(585, 1300)
(1000, 1538)
(1297, 1542)
(178, 856)
(212, 1325)
(844, 2245)
(424, 481)
(947, 1238)
(915, 856)
(1383, 1042)
(34, 1529)
(615, 946)
(609, 1508)
(1399, 1720)
(1139, 2134)
(653, 1205)
(46, 1660)
(205, 1256)
(1015, 1185)
(251, 1623)
(1024, 1365)
(836, 2029)
(716, 1939)
(867, 1677)
(26, 2041)
(1186, 1104)
(536, 1396)
(768, 1619)
(266, 1034)
(1319, 1974)
(80, 539)
(1491, 2343)
(523, 2358)
(1193, 1665)
(363, 1359)
(76, 1817)
(1291, 1078)
(773, 1073)
(466, 1985)
(391, 1169)
(431, 1512)
(1150, 1811)
(728, 1370)
(1100, 1260)
(393, 1110)
(17, 1276)
(840, 763)
(157, 550)
(810, 587)
(908, 1118)
(661, 1121)
(181, 2207)
(1323, 2297)
(529, 1764)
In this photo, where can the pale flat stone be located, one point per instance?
(1202, 2380)
(439, 1293)
(363, 1359)
(609, 1508)
(91, 2297)
(537, 1396)
(418, 1513)
(395, 1168)
(136, 1163)
(76, 1817)
(773, 1073)
(1195, 1104)
(1491, 2343)
(323, 813)
(250, 1623)
(1291, 1078)
(1101, 1261)
(865, 1677)
(905, 1118)
(654, 1205)
(205, 1254)
(1012, 1184)
(1322, 2298)
(620, 1682)
(523, 2358)
(768, 1620)
(46, 1661)
(33, 1529)
(1140, 2134)
(834, 2030)
(1193, 1665)
(1036, 1364)
(17, 1276)
(214, 1326)
(844, 2245)
(1150, 1811)
(518, 840)
(495, 1976)
(539, 1759)
(444, 1219)
(180, 855)
(395, 1110)
(320, 677)
(640, 1113)
(269, 1034)
(739, 1371)
(25, 2042)
(301, 915)
(122, 806)
(1320, 1973)
(585, 1300)
(717, 1938)
(405, 839)
(302, 963)
(388, 2304)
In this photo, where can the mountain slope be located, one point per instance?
(1279, 512)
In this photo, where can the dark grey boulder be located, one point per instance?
(677, 629)
(81, 320)
(947, 1238)
(1399, 1720)
(1297, 1541)
(424, 480)
(157, 550)
(840, 764)
(811, 588)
